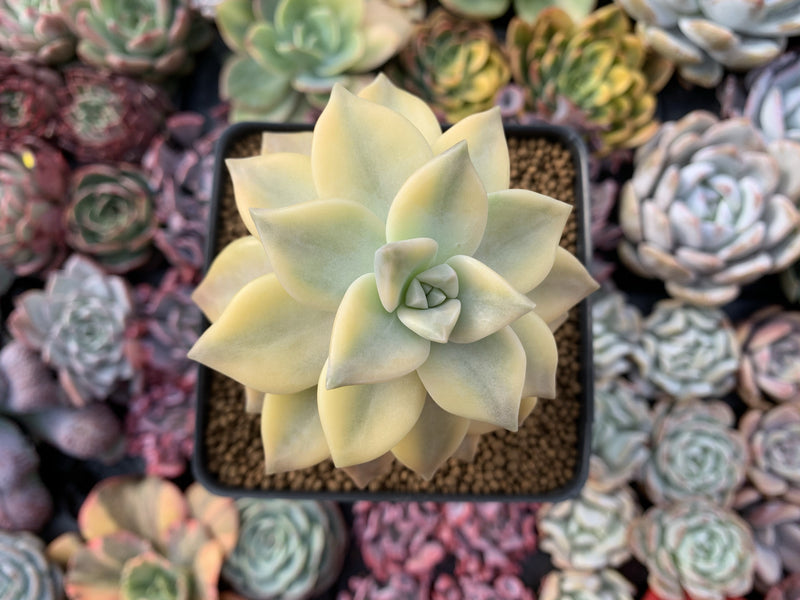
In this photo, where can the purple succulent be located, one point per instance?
(788, 589)
(28, 102)
(503, 587)
(776, 531)
(399, 586)
(605, 234)
(29, 385)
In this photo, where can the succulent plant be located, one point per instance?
(151, 39)
(589, 532)
(711, 206)
(35, 30)
(790, 282)
(695, 452)
(691, 351)
(525, 9)
(288, 54)
(399, 586)
(207, 8)
(616, 337)
(108, 117)
(620, 433)
(28, 102)
(595, 75)
(111, 217)
(788, 589)
(605, 233)
(33, 187)
(776, 527)
(78, 323)
(26, 384)
(27, 573)
(694, 548)
(704, 36)
(770, 343)
(502, 587)
(286, 549)
(143, 538)
(606, 584)
(457, 66)
(376, 269)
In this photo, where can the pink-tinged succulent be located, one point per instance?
(503, 587)
(590, 531)
(488, 538)
(25, 502)
(108, 117)
(35, 30)
(399, 586)
(616, 337)
(143, 538)
(770, 369)
(33, 187)
(776, 529)
(28, 102)
(694, 548)
(695, 452)
(605, 234)
(788, 589)
(28, 385)
(27, 574)
(78, 323)
(606, 584)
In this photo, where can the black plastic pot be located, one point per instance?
(200, 460)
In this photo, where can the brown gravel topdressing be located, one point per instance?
(541, 458)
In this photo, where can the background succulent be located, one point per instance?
(27, 573)
(776, 527)
(28, 100)
(710, 207)
(286, 549)
(398, 585)
(457, 66)
(35, 30)
(616, 336)
(705, 36)
(605, 584)
(604, 231)
(502, 587)
(788, 589)
(526, 9)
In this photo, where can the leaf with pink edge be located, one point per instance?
(217, 513)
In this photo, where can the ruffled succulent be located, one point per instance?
(788, 589)
(704, 36)
(107, 117)
(286, 549)
(143, 538)
(711, 206)
(606, 584)
(694, 548)
(776, 527)
(691, 351)
(589, 532)
(525, 9)
(150, 39)
(502, 587)
(405, 291)
(78, 323)
(695, 452)
(33, 187)
(770, 343)
(594, 75)
(616, 337)
(35, 30)
(28, 101)
(27, 574)
(620, 433)
(288, 54)
(457, 66)
(111, 217)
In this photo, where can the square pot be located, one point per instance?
(546, 461)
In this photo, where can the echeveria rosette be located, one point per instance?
(28, 100)
(604, 584)
(695, 452)
(776, 529)
(526, 9)
(616, 337)
(286, 549)
(711, 206)
(27, 573)
(35, 30)
(694, 548)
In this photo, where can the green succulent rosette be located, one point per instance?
(35, 30)
(605, 584)
(26, 574)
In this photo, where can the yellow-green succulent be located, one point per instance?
(394, 294)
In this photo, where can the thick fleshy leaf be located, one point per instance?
(567, 283)
(291, 431)
(445, 201)
(368, 344)
(481, 381)
(435, 436)
(253, 399)
(94, 570)
(267, 340)
(488, 302)
(522, 234)
(488, 149)
(237, 264)
(363, 422)
(297, 142)
(396, 263)
(365, 472)
(270, 181)
(413, 108)
(218, 514)
(434, 324)
(319, 248)
(234, 18)
(354, 153)
(541, 355)
(526, 406)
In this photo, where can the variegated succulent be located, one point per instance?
(594, 74)
(691, 351)
(148, 38)
(694, 548)
(405, 276)
(35, 30)
(286, 549)
(28, 100)
(616, 337)
(143, 538)
(695, 452)
(776, 527)
(589, 532)
(605, 584)
(703, 36)
(457, 66)
(525, 9)
(27, 573)
(288, 54)
(711, 206)
(770, 343)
